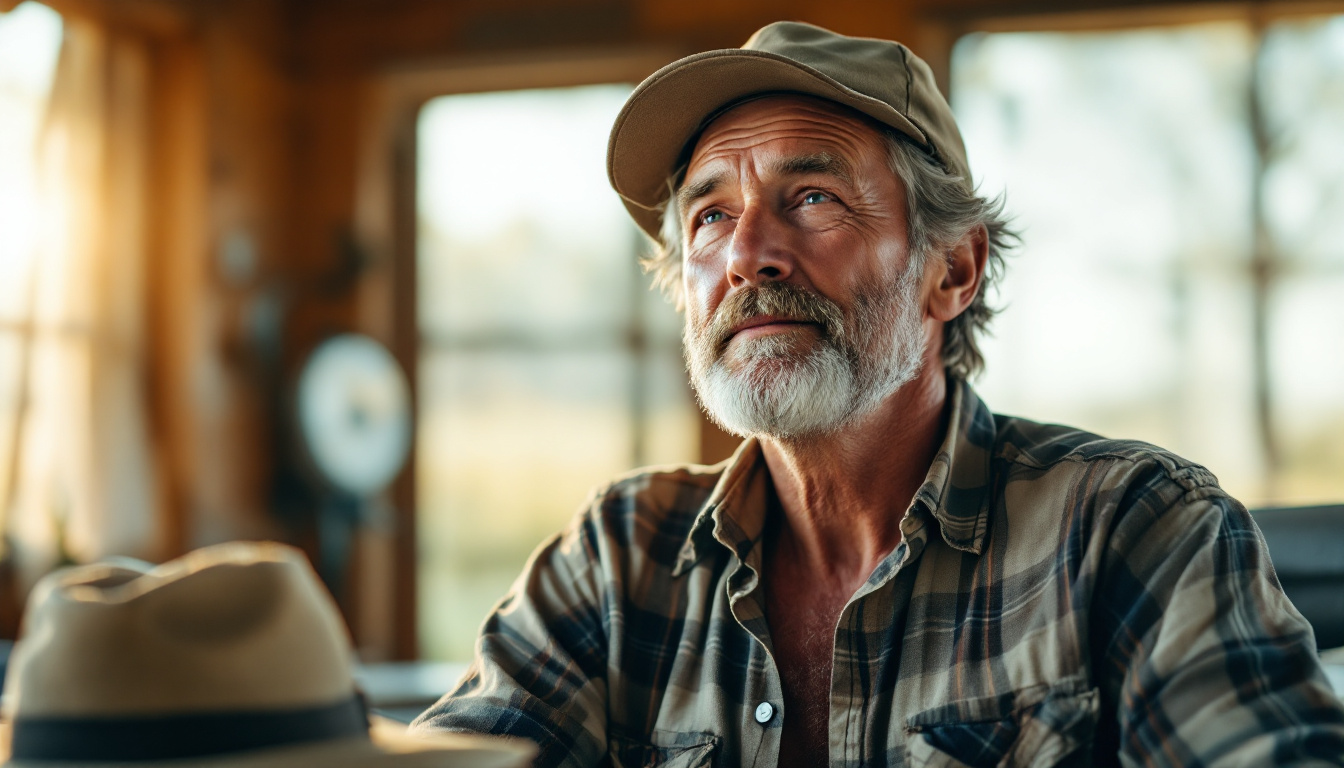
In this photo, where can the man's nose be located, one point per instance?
(761, 249)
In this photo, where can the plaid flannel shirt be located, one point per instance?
(1058, 599)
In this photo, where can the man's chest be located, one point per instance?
(929, 663)
(802, 616)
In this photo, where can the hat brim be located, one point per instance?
(664, 113)
(389, 745)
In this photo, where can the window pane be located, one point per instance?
(1302, 88)
(1129, 163)
(1307, 342)
(547, 365)
(513, 447)
(522, 233)
(1302, 85)
(30, 39)
(671, 427)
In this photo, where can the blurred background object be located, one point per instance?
(1306, 545)
(352, 408)
(198, 196)
(546, 363)
(1181, 191)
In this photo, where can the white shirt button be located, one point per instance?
(764, 711)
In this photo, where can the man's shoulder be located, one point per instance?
(663, 488)
(1039, 447)
(651, 509)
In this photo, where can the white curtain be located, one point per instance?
(80, 482)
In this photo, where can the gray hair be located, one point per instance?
(941, 209)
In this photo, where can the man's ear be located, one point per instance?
(957, 275)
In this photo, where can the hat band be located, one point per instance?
(179, 736)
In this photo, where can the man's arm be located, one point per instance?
(1201, 655)
(541, 660)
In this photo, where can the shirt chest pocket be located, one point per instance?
(663, 749)
(1039, 727)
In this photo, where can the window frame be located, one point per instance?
(941, 29)
(388, 167)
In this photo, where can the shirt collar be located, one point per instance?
(734, 513)
(955, 490)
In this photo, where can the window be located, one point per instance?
(547, 366)
(30, 37)
(1181, 281)
(37, 350)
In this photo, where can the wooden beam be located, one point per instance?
(163, 19)
(1099, 15)
(177, 252)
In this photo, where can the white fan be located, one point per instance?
(354, 414)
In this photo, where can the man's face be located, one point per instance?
(803, 303)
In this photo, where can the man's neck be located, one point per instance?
(843, 495)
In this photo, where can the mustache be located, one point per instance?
(783, 300)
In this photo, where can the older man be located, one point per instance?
(884, 573)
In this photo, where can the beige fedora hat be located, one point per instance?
(880, 78)
(233, 655)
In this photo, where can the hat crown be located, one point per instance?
(882, 61)
(228, 628)
(880, 69)
(879, 78)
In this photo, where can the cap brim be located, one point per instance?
(389, 745)
(667, 109)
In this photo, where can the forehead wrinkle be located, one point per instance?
(748, 128)
(823, 163)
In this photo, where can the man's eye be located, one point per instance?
(709, 217)
(812, 198)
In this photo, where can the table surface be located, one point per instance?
(402, 683)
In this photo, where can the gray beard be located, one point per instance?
(776, 387)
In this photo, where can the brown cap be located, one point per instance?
(879, 78)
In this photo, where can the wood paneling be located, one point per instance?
(178, 251)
